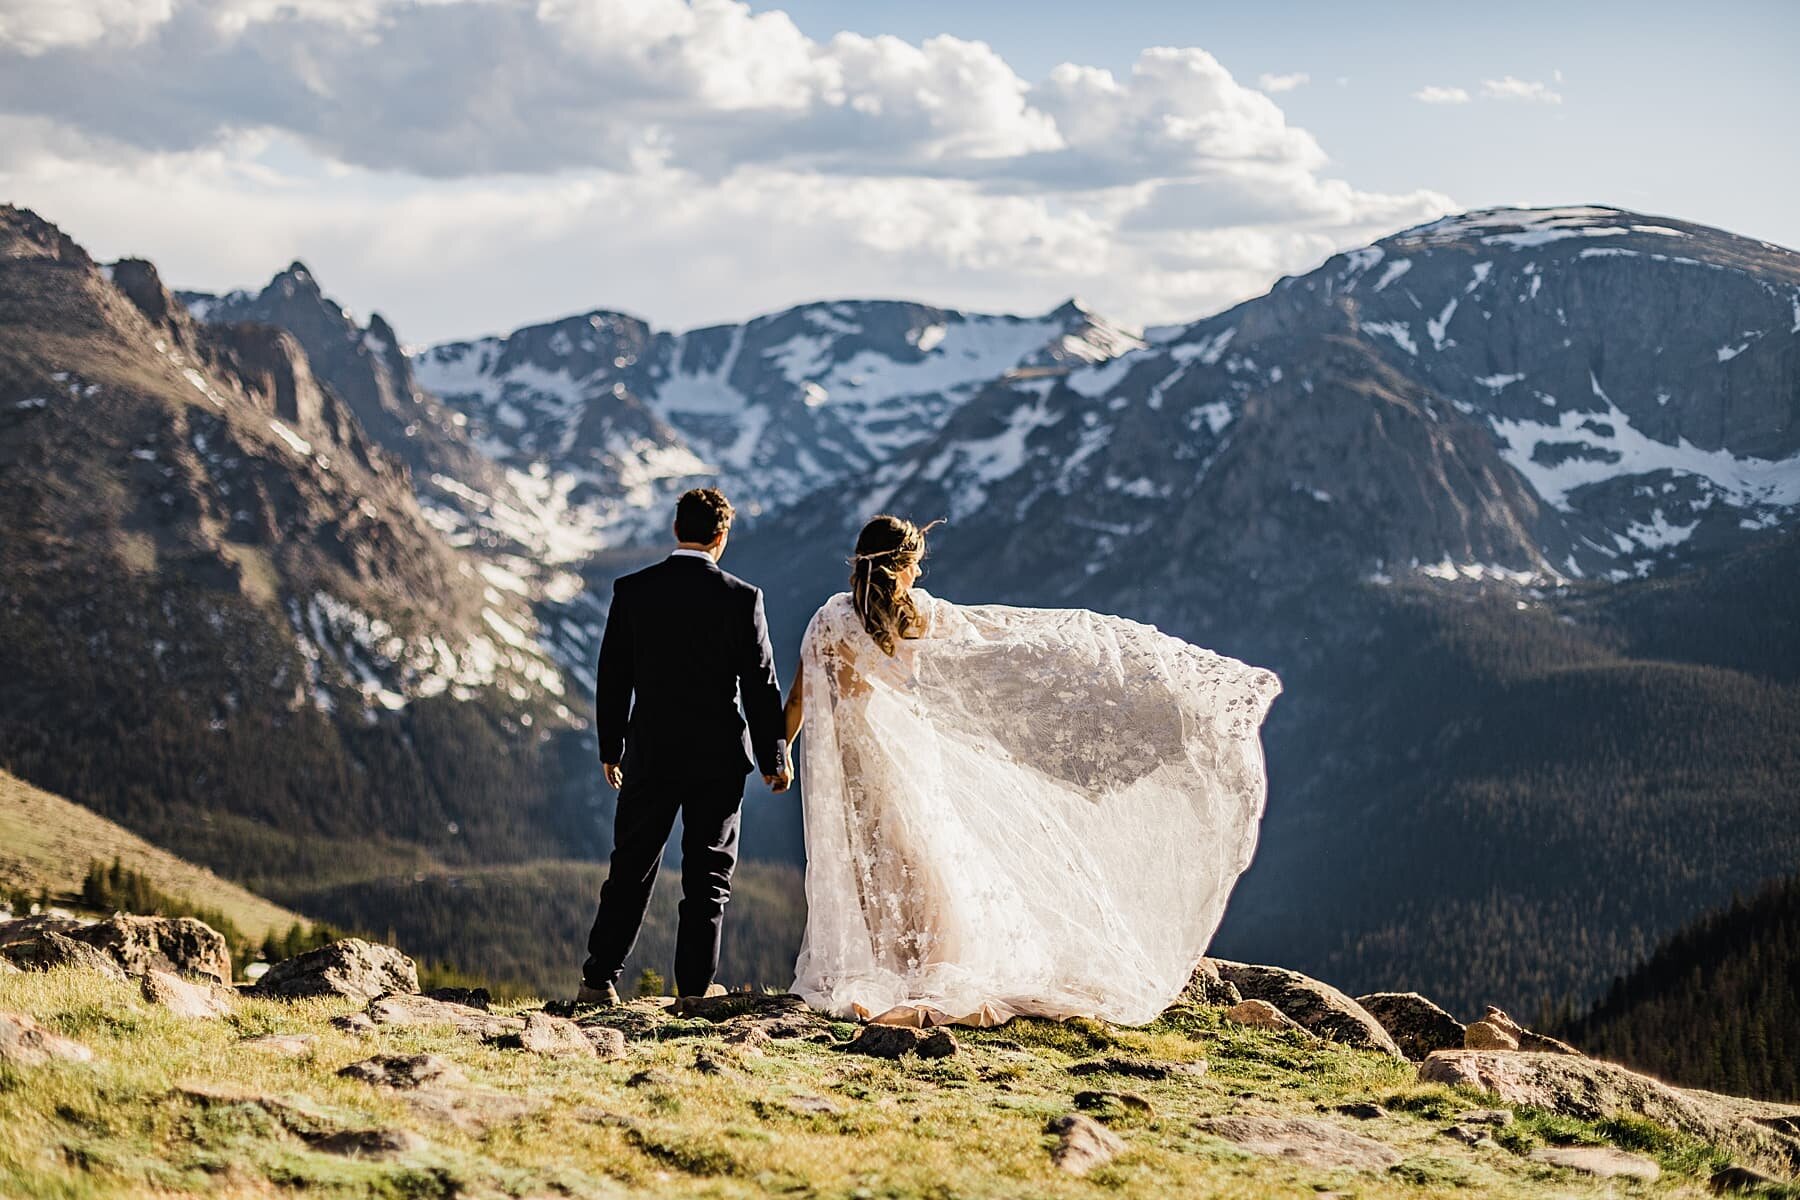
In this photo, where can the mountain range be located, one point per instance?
(1508, 499)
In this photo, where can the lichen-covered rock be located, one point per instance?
(1260, 1014)
(423, 1010)
(178, 945)
(1486, 1035)
(608, 1043)
(50, 950)
(556, 1037)
(1206, 988)
(350, 967)
(184, 999)
(1317, 1006)
(1417, 1025)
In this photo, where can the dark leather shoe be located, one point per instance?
(605, 995)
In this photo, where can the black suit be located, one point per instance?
(687, 640)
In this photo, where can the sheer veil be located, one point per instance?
(1024, 811)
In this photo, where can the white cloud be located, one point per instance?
(1534, 91)
(1433, 94)
(1282, 83)
(473, 164)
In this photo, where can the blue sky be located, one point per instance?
(467, 166)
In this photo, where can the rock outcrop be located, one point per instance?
(1319, 1007)
(178, 945)
(1417, 1026)
(1590, 1090)
(350, 968)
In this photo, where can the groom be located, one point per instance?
(687, 640)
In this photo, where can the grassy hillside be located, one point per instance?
(179, 1108)
(1717, 1005)
(47, 844)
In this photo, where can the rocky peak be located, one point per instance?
(24, 234)
(144, 288)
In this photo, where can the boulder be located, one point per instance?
(25, 1043)
(556, 1037)
(608, 1043)
(1082, 1143)
(1260, 1014)
(1319, 1007)
(1589, 1090)
(1206, 988)
(423, 1010)
(1527, 1040)
(1417, 1025)
(893, 1041)
(184, 999)
(1486, 1035)
(6, 967)
(349, 967)
(49, 950)
(404, 1071)
(1603, 1162)
(177, 945)
(1301, 1140)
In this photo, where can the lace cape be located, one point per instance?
(1024, 811)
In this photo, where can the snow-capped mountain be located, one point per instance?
(1533, 396)
(773, 409)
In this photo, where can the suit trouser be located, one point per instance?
(645, 817)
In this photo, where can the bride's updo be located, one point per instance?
(886, 547)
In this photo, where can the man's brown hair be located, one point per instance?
(701, 515)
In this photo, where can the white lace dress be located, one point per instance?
(1024, 811)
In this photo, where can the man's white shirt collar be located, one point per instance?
(691, 554)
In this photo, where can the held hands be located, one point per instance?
(615, 775)
(780, 783)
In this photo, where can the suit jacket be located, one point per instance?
(684, 640)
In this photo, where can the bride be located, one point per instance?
(1012, 811)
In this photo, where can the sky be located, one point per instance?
(470, 166)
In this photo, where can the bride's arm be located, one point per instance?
(796, 707)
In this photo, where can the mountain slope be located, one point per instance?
(47, 844)
(1717, 1005)
(228, 624)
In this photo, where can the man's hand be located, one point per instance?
(780, 783)
(615, 775)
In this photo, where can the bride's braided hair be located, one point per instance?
(886, 546)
